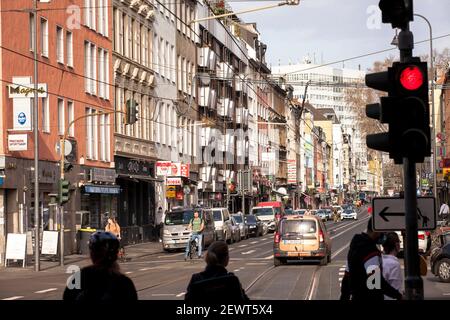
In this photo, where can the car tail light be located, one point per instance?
(277, 237)
(321, 236)
(428, 233)
(421, 237)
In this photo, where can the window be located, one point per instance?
(91, 135)
(129, 51)
(32, 31)
(71, 116)
(101, 73)
(61, 118)
(162, 58)
(69, 48)
(178, 15)
(179, 71)
(100, 16)
(45, 115)
(89, 17)
(167, 124)
(156, 55)
(167, 59)
(90, 67)
(44, 37)
(105, 18)
(144, 39)
(102, 141)
(60, 44)
(172, 63)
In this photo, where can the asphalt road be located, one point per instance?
(166, 275)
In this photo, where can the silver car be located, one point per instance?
(238, 218)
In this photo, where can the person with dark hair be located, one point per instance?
(215, 284)
(392, 271)
(102, 281)
(363, 278)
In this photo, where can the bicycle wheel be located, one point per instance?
(192, 251)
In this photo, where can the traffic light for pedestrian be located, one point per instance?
(131, 111)
(396, 12)
(405, 109)
(63, 191)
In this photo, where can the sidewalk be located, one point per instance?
(132, 252)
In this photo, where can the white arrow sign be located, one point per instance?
(389, 214)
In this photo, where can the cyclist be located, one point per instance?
(196, 225)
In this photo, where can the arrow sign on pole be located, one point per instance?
(389, 213)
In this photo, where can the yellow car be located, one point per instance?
(301, 238)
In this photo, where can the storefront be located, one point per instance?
(136, 203)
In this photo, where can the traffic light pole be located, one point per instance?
(413, 280)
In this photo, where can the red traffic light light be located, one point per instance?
(411, 78)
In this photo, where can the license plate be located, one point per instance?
(292, 241)
(293, 254)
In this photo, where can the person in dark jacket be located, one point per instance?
(215, 284)
(102, 281)
(363, 278)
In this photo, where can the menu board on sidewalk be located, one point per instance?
(50, 242)
(16, 247)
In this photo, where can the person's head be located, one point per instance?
(103, 247)
(110, 220)
(196, 214)
(392, 244)
(217, 254)
(374, 235)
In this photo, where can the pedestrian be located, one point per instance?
(392, 271)
(363, 278)
(444, 211)
(215, 284)
(114, 227)
(159, 224)
(102, 281)
(196, 225)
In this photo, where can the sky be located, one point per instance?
(334, 30)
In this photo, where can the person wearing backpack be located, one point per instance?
(196, 225)
(215, 284)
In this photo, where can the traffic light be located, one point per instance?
(63, 191)
(131, 111)
(405, 109)
(396, 12)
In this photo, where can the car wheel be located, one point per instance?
(329, 258)
(277, 262)
(443, 270)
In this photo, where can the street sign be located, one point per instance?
(67, 147)
(389, 214)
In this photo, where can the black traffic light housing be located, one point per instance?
(397, 12)
(63, 191)
(405, 109)
(131, 111)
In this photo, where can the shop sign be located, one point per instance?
(133, 167)
(175, 169)
(185, 169)
(27, 91)
(102, 189)
(103, 175)
(17, 142)
(163, 168)
(171, 192)
(174, 182)
(180, 195)
(292, 172)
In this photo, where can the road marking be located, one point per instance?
(47, 290)
(242, 246)
(129, 272)
(446, 294)
(345, 231)
(230, 249)
(269, 257)
(13, 298)
(236, 270)
(144, 269)
(340, 250)
(180, 294)
(255, 263)
(162, 294)
(253, 242)
(248, 252)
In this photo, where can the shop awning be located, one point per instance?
(102, 189)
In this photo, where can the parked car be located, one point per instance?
(313, 212)
(322, 214)
(440, 258)
(243, 228)
(424, 239)
(301, 237)
(288, 211)
(255, 226)
(222, 224)
(235, 231)
(300, 212)
(349, 213)
(338, 209)
(176, 233)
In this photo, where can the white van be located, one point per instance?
(222, 224)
